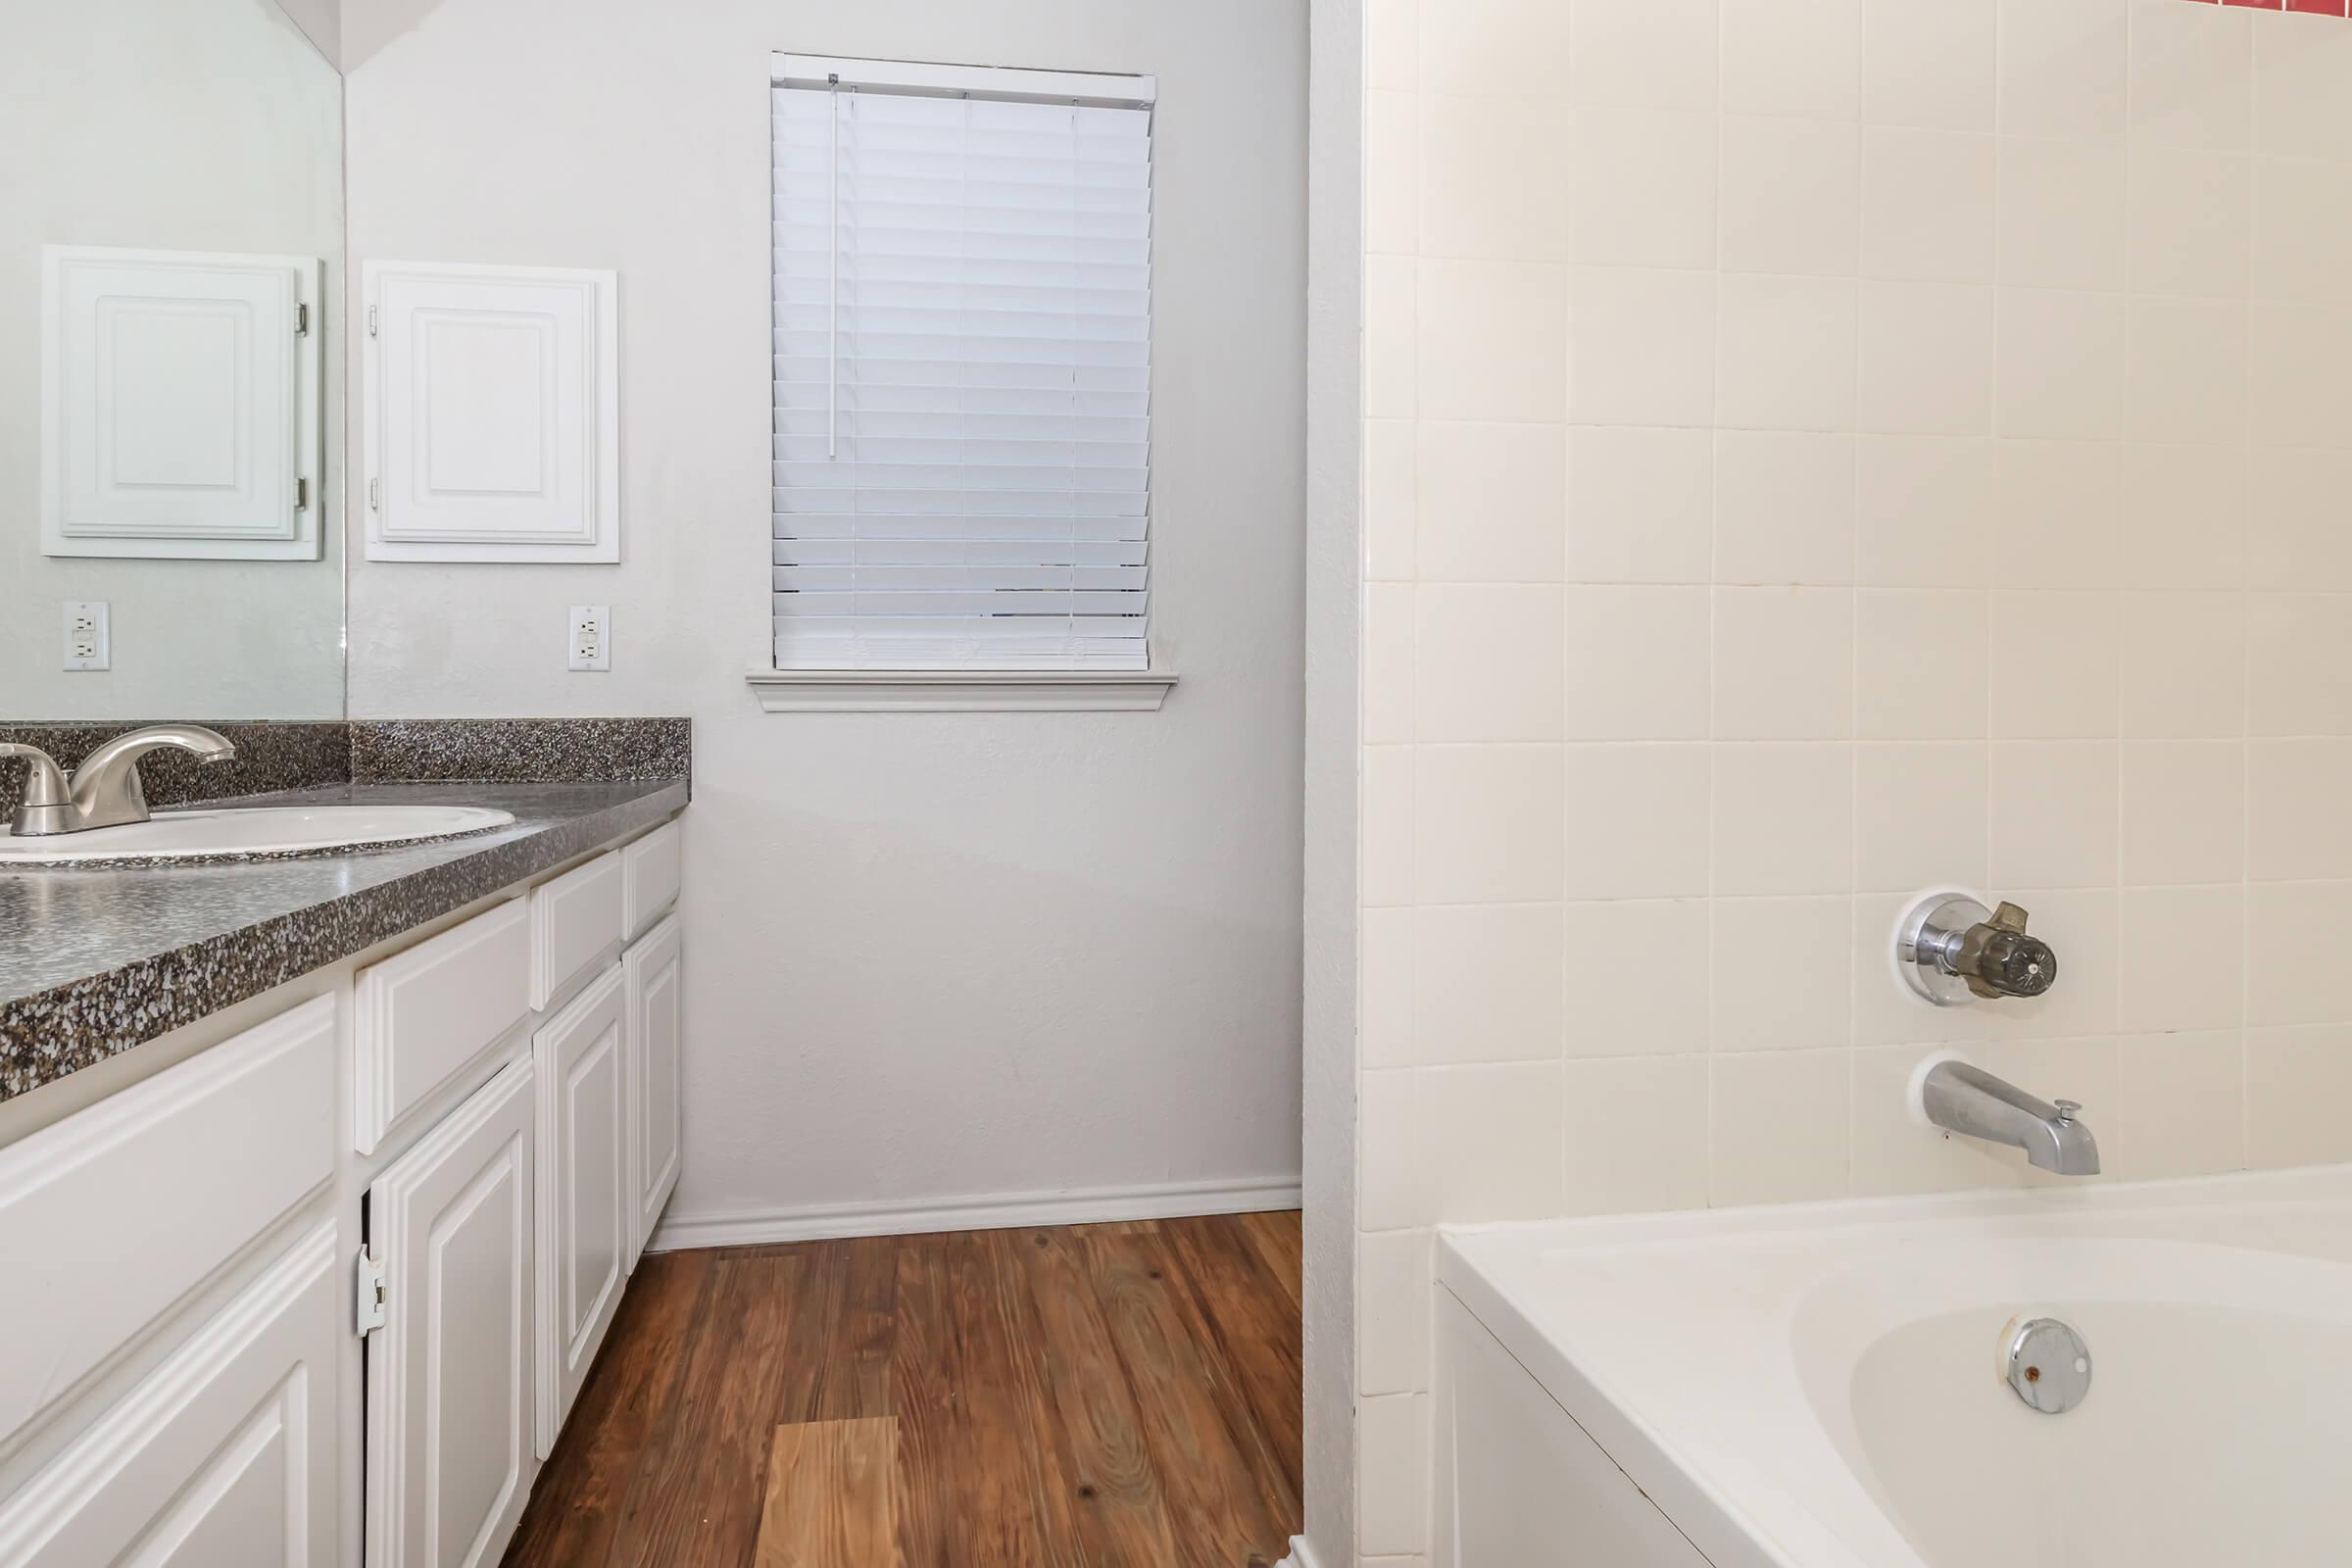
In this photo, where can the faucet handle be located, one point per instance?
(1949, 949)
(46, 805)
(44, 780)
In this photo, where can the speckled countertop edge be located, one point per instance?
(50, 1031)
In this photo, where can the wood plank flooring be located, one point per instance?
(1084, 1396)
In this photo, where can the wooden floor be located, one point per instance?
(1098, 1395)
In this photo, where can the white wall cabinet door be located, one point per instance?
(451, 1369)
(655, 1058)
(223, 1457)
(492, 430)
(584, 1208)
(179, 404)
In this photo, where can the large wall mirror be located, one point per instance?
(171, 293)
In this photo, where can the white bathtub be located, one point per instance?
(1822, 1385)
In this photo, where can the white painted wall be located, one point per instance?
(1814, 452)
(162, 125)
(1334, 759)
(930, 956)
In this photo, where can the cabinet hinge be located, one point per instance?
(371, 320)
(302, 320)
(302, 493)
(375, 495)
(368, 1315)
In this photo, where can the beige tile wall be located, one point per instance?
(1818, 449)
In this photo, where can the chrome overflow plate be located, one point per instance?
(2047, 1363)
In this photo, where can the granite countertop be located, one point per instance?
(95, 961)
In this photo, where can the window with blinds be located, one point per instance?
(963, 342)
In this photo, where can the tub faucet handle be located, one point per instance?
(1999, 959)
(2067, 1109)
(1951, 948)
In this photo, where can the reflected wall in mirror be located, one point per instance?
(171, 295)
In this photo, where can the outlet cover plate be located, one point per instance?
(88, 635)
(588, 637)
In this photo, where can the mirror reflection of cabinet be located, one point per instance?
(179, 404)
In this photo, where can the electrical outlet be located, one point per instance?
(89, 638)
(589, 645)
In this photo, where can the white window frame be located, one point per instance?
(801, 691)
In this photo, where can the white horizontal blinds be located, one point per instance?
(962, 369)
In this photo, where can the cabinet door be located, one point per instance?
(224, 1457)
(585, 1207)
(654, 1065)
(180, 405)
(492, 427)
(451, 1369)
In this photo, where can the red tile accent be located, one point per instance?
(2259, 5)
(2324, 8)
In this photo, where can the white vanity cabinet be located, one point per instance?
(224, 1455)
(581, 1057)
(378, 1234)
(421, 1016)
(112, 1218)
(452, 1355)
(655, 1058)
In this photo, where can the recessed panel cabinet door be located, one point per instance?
(451, 1369)
(584, 1208)
(492, 427)
(180, 405)
(655, 1055)
(223, 1457)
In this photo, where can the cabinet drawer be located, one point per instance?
(113, 1216)
(422, 1015)
(575, 920)
(224, 1454)
(653, 866)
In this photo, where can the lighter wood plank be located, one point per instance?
(832, 1495)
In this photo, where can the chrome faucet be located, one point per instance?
(1967, 1100)
(105, 791)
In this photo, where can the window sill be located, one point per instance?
(959, 691)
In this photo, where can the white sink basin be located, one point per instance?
(255, 830)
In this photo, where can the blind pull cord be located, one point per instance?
(833, 297)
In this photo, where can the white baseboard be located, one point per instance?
(985, 1212)
(1302, 1555)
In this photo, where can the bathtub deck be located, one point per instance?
(1105, 1395)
